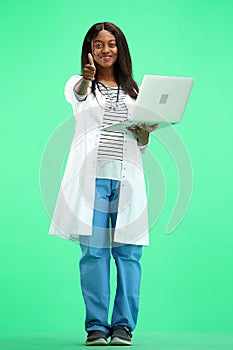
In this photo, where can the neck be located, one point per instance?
(107, 76)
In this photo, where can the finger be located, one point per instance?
(89, 68)
(153, 127)
(89, 72)
(131, 129)
(139, 125)
(91, 60)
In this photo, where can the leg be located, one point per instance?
(127, 257)
(126, 304)
(95, 263)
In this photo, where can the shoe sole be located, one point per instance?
(119, 341)
(97, 342)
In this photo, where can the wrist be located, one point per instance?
(143, 139)
(87, 81)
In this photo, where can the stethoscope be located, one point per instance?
(97, 82)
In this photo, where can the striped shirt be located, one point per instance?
(110, 149)
(111, 142)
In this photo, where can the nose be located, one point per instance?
(105, 48)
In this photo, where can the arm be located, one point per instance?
(80, 89)
(142, 131)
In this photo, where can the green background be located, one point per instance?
(187, 283)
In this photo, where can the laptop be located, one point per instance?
(161, 99)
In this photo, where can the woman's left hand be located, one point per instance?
(142, 131)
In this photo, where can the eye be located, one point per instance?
(112, 45)
(98, 45)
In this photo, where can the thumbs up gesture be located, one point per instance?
(89, 69)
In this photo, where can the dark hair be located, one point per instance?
(123, 65)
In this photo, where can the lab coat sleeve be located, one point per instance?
(69, 90)
(143, 149)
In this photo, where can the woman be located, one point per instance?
(102, 201)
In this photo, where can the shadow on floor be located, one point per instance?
(142, 341)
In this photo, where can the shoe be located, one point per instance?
(121, 335)
(96, 338)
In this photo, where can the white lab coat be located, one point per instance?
(73, 212)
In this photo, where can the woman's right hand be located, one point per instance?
(89, 70)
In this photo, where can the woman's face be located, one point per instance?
(104, 49)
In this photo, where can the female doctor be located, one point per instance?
(102, 200)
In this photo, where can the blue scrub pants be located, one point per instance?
(95, 266)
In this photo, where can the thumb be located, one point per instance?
(90, 59)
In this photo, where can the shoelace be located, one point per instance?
(128, 331)
(123, 327)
